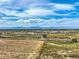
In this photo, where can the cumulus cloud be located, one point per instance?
(18, 23)
(51, 23)
(2, 1)
(37, 9)
(39, 12)
(64, 6)
(30, 13)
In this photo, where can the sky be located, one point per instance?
(54, 14)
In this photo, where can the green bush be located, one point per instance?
(74, 40)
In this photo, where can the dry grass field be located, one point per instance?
(60, 50)
(20, 49)
(39, 45)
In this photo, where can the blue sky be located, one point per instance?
(59, 14)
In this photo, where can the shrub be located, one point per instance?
(74, 40)
(45, 36)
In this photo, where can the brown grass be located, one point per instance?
(19, 49)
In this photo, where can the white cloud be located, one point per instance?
(29, 12)
(34, 11)
(38, 12)
(34, 8)
(51, 23)
(7, 23)
(62, 6)
(2, 1)
(7, 12)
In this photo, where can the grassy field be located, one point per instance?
(22, 45)
(20, 49)
(60, 50)
(20, 36)
(63, 36)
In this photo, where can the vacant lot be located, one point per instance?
(20, 49)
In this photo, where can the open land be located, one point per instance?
(39, 44)
(20, 49)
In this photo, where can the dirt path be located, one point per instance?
(54, 44)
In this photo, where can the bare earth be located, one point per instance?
(20, 49)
